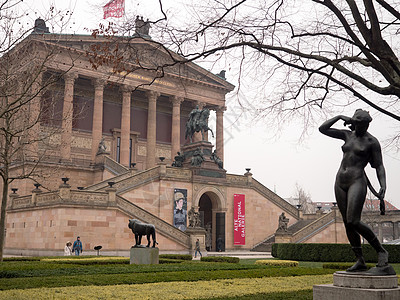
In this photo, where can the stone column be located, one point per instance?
(97, 125)
(176, 126)
(151, 128)
(395, 230)
(380, 232)
(125, 125)
(66, 134)
(220, 132)
(34, 113)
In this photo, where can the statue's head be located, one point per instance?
(361, 116)
(360, 121)
(131, 222)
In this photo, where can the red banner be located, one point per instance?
(114, 8)
(239, 232)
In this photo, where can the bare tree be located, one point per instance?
(307, 58)
(304, 199)
(24, 79)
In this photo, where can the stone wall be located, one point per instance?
(51, 228)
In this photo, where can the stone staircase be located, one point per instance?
(127, 180)
(313, 228)
(265, 245)
(299, 231)
(162, 227)
(114, 167)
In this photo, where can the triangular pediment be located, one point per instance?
(137, 53)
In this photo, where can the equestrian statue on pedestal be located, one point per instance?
(198, 122)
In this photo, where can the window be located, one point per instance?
(118, 149)
(130, 152)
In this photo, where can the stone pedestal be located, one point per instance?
(358, 286)
(283, 236)
(208, 168)
(197, 233)
(144, 256)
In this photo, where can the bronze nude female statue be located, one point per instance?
(359, 149)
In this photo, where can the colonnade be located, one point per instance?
(97, 130)
(392, 230)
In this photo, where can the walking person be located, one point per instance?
(77, 247)
(197, 249)
(68, 249)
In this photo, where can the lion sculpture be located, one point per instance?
(139, 229)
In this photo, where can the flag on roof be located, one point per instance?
(114, 8)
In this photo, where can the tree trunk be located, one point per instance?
(3, 217)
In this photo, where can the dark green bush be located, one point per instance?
(205, 272)
(176, 256)
(227, 259)
(22, 258)
(92, 262)
(342, 266)
(170, 261)
(330, 252)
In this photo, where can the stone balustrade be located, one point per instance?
(274, 198)
(161, 226)
(313, 227)
(114, 166)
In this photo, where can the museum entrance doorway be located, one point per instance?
(205, 210)
(213, 221)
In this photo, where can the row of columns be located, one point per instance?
(97, 130)
(395, 232)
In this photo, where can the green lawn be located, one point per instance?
(115, 278)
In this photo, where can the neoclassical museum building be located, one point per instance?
(114, 157)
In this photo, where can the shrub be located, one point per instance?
(341, 266)
(97, 260)
(176, 256)
(277, 263)
(330, 252)
(21, 258)
(170, 261)
(227, 259)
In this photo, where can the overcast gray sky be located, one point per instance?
(279, 163)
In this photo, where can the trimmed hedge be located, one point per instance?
(188, 289)
(170, 261)
(176, 256)
(330, 252)
(97, 260)
(151, 277)
(22, 258)
(277, 263)
(226, 259)
(342, 266)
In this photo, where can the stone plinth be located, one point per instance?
(283, 236)
(197, 233)
(144, 256)
(358, 286)
(208, 169)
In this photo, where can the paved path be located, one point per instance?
(241, 254)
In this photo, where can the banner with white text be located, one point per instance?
(239, 223)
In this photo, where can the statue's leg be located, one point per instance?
(148, 240)
(137, 239)
(154, 238)
(212, 133)
(140, 239)
(342, 199)
(358, 192)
